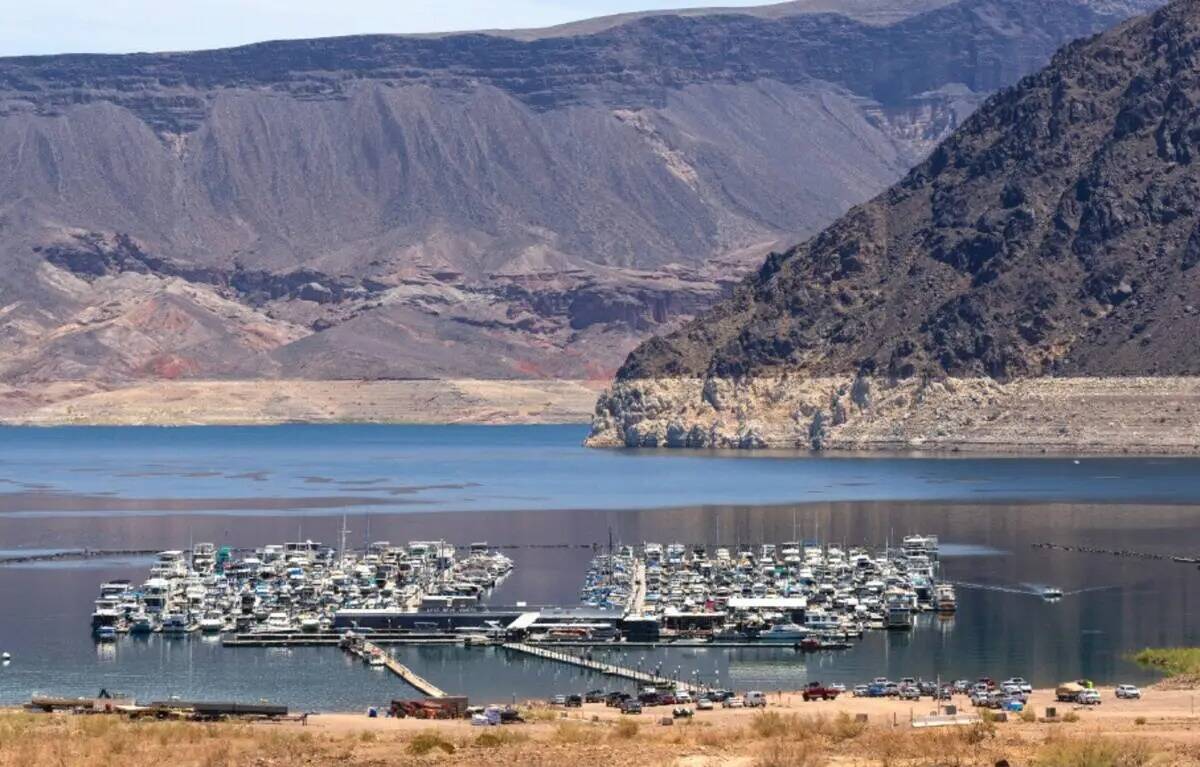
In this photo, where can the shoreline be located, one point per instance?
(1160, 699)
(851, 414)
(280, 402)
(1160, 729)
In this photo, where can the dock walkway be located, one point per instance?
(610, 669)
(367, 649)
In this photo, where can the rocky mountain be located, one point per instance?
(1053, 238)
(506, 205)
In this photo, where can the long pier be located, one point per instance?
(366, 649)
(611, 669)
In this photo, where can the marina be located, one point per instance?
(299, 587)
(56, 559)
(803, 595)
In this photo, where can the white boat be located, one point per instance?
(176, 624)
(783, 632)
(212, 624)
(899, 616)
(279, 622)
(1051, 594)
(944, 599)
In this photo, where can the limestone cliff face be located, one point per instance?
(1045, 256)
(1154, 415)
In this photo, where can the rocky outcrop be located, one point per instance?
(1041, 258)
(1152, 415)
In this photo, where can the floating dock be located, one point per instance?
(611, 669)
(328, 638)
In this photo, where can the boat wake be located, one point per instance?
(1039, 590)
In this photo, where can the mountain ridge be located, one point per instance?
(1052, 237)
(464, 207)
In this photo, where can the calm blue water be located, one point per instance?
(537, 490)
(388, 469)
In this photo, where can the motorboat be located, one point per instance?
(176, 624)
(788, 633)
(140, 624)
(212, 624)
(944, 599)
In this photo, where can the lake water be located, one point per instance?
(536, 490)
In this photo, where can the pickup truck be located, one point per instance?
(818, 691)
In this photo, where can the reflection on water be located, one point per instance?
(509, 479)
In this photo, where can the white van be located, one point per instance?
(756, 698)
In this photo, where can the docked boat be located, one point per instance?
(140, 624)
(944, 599)
(786, 633)
(898, 617)
(176, 624)
(212, 624)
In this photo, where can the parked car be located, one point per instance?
(892, 690)
(615, 699)
(861, 691)
(681, 712)
(667, 699)
(734, 702)
(818, 691)
(910, 692)
(1088, 697)
(1128, 691)
(1020, 684)
(631, 707)
(876, 690)
(574, 701)
(683, 696)
(717, 696)
(594, 696)
(838, 686)
(962, 686)
(648, 698)
(756, 699)
(558, 700)
(945, 692)
(704, 704)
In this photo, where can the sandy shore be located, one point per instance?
(1162, 729)
(1180, 709)
(181, 403)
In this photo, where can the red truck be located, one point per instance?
(818, 691)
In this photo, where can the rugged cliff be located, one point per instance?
(514, 205)
(1050, 245)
